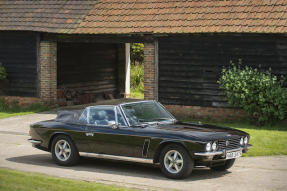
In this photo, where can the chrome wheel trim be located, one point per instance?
(173, 161)
(63, 150)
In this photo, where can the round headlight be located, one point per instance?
(214, 146)
(245, 140)
(208, 147)
(241, 141)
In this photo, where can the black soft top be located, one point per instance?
(69, 116)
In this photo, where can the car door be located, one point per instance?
(123, 141)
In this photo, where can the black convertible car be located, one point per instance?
(142, 130)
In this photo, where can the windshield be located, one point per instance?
(138, 113)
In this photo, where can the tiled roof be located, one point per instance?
(59, 16)
(145, 16)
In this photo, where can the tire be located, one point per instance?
(228, 164)
(65, 158)
(183, 162)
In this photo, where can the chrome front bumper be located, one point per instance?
(213, 153)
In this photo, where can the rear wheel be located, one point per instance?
(175, 162)
(64, 152)
(228, 164)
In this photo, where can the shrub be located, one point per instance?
(3, 73)
(137, 52)
(260, 94)
(137, 77)
(3, 105)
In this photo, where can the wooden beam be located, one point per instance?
(128, 69)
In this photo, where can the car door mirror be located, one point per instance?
(113, 125)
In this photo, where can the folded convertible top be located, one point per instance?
(69, 116)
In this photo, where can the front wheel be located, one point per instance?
(228, 164)
(175, 162)
(64, 152)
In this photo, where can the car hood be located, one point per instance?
(202, 132)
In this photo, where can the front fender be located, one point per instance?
(157, 146)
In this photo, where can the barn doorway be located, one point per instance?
(90, 72)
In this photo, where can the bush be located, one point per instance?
(137, 77)
(260, 94)
(137, 53)
(3, 73)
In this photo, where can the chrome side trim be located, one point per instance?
(115, 157)
(34, 141)
(217, 152)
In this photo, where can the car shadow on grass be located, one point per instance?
(109, 166)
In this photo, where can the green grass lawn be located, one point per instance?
(25, 181)
(266, 140)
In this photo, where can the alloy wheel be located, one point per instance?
(173, 161)
(63, 150)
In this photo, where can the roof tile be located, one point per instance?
(141, 16)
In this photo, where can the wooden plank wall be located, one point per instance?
(18, 54)
(189, 66)
(87, 67)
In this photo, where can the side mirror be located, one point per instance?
(113, 125)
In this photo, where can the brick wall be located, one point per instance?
(48, 72)
(149, 71)
(213, 113)
(22, 101)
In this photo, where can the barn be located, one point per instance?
(81, 48)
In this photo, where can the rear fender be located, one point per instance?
(56, 134)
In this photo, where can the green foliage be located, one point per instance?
(3, 73)
(137, 77)
(137, 81)
(259, 93)
(137, 52)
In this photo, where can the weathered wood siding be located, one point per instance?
(18, 54)
(189, 66)
(88, 67)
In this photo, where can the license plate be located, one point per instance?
(233, 155)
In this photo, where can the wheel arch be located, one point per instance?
(163, 144)
(57, 134)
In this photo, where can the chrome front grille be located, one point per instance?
(230, 143)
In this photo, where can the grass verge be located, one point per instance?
(5, 114)
(26, 181)
(266, 140)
